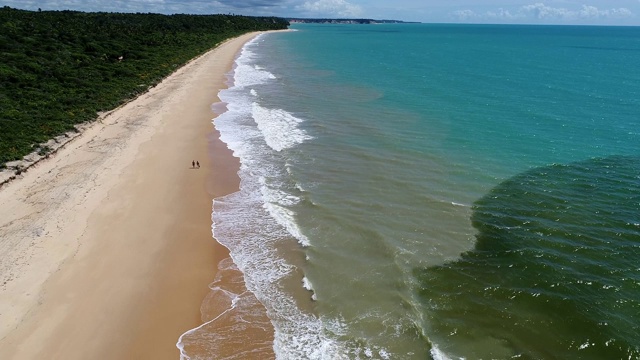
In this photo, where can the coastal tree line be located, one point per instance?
(61, 68)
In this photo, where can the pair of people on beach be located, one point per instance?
(195, 164)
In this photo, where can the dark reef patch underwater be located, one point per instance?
(555, 273)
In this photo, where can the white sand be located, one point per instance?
(106, 247)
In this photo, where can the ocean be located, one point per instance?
(425, 191)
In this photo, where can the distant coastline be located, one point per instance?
(347, 21)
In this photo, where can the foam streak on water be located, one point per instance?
(278, 127)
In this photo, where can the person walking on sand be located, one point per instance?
(193, 164)
(198, 164)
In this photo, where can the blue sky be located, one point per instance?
(597, 12)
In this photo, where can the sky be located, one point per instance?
(584, 12)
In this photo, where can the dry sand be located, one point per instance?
(106, 247)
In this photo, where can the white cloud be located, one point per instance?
(542, 12)
(466, 15)
(593, 12)
(500, 14)
(331, 8)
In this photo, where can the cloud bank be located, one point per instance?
(544, 13)
(330, 8)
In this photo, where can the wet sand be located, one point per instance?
(107, 247)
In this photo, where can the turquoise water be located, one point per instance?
(439, 191)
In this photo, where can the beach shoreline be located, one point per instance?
(108, 246)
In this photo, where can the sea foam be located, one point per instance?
(247, 74)
(307, 285)
(279, 127)
(437, 354)
(276, 202)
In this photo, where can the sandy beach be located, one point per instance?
(106, 246)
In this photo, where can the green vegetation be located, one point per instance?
(60, 68)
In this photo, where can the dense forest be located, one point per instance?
(60, 68)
